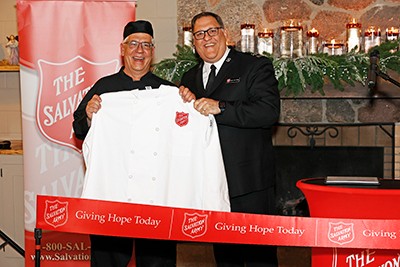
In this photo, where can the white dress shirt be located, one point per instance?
(218, 65)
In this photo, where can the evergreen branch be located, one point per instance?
(296, 75)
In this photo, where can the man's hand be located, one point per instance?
(186, 94)
(207, 106)
(93, 106)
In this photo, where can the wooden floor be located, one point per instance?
(200, 255)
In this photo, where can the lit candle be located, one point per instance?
(372, 37)
(187, 35)
(353, 35)
(265, 41)
(392, 34)
(247, 37)
(312, 43)
(333, 47)
(291, 39)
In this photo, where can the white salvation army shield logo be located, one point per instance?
(194, 225)
(61, 89)
(56, 213)
(341, 233)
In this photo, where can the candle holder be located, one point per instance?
(333, 47)
(265, 42)
(291, 45)
(372, 38)
(247, 37)
(229, 40)
(353, 36)
(392, 34)
(187, 35)
(312, 41)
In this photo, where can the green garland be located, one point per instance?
(295, 76)
(172, 69)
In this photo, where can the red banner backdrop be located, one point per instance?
(65, 47)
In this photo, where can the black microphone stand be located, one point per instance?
(374, 68)
(9, 241)
(386, 77)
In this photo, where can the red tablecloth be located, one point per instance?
(357, 202)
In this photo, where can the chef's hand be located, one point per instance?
(186, 94)
(93, 106)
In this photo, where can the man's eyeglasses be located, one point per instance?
(135, 44)
(211, 32)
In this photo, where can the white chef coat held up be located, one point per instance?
(148, 147)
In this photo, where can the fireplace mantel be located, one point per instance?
(383, 90)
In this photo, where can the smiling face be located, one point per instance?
(210, 49)
(137, 60)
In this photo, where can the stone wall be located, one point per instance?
(329, 17)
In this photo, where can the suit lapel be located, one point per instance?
(198, 81)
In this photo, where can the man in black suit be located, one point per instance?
(244, 98)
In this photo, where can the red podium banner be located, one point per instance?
(362, 202)
(85, 216)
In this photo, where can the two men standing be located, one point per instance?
(242, 94)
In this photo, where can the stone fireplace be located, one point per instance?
(350, 132)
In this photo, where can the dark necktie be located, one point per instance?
(211, 77)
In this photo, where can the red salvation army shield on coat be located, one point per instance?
(181, 118)
(61, 89)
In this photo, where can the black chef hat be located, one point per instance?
(138, 26)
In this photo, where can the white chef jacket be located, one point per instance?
(149, 147)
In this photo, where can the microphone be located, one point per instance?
(373, 68)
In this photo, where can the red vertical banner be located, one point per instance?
(65, 47)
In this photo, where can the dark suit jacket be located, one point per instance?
(249, 86)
